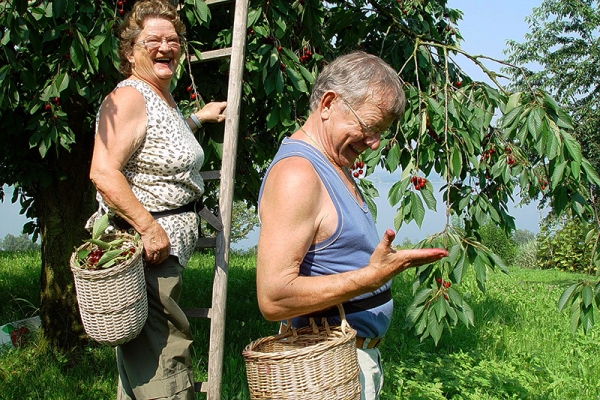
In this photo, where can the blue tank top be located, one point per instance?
(348, 248)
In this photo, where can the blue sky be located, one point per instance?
(486, 26)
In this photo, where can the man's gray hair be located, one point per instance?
(358, 77)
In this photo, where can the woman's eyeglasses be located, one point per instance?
(153, 43)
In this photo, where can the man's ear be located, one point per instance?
(326, 103)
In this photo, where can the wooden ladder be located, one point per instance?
(222, 224)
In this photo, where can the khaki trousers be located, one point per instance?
(156, 364)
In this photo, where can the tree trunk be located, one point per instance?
(62, 209)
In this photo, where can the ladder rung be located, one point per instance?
(210, 175)
(197, 312)
(211, 55)
(201, 387)
(206, 243)
(209, 2)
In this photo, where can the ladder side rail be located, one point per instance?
(234, 95)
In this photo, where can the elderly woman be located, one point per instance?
(145, 167)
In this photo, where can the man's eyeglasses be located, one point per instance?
(153, 43)
(367, 129)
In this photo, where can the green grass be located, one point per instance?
(520, 347)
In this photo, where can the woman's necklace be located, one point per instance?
(343, 169)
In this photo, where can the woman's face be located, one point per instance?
(156, 52)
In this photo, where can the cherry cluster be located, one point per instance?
(120, 4)
(543, 184)
(306, 55)
(357, 168)
(444, 284)
(94, 256)
(418, 182)
(190, 90)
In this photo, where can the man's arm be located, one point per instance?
(294, 214)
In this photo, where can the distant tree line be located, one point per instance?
(18, 243)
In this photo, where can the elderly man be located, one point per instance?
(318, 245)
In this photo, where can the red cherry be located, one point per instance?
(47, 107)
(189, 88)
(119, 3)
(279, 48)
(193, 96)
(282, 66)
(439, 280)
(458, 84)
(356, 174)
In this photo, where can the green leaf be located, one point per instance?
(451, 312)
(557, 174)
(110, 255)
(513, 102)
(509, 118)
(499, 262)
(575, 313)
(587, 295)
(418, 211)
(100, 226)
(413, 313)
(572, 146)
(440, 310)
(534, 121)
(434, 328)
(587, 318)
(591, 173)
(421, 296)
(297, 80)
(566, 296)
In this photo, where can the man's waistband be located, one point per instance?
(351, 307)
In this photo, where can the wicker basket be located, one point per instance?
(306, 363)
(112, 302)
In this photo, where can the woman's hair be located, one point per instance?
(358, 77)
(133, 24)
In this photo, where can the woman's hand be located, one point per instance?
(156, 244)
(212, 112)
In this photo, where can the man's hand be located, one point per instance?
(390, 262)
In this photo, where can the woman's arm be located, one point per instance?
(121, 129)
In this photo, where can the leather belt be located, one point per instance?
(368, 343)
(351, 307)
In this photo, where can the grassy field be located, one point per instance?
(520, 348)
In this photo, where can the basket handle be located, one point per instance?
(344, 323)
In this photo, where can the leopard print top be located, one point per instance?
(164, 172)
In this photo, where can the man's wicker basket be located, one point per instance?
(112, 302)
(310, 363)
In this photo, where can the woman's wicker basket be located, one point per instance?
(310, 363)
(112, 302)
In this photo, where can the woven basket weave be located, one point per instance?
(112, 302)
(310, 363)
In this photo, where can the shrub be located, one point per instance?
(498, 241)
(526, 256)
(561, 245)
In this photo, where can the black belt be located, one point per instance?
(194, 205)
(355, 306)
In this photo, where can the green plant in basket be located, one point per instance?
(103, 250)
